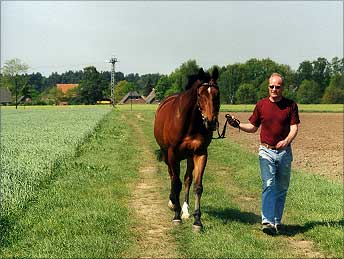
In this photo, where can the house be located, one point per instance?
(5, 96)
(132, 97)
(151, 97)
(66, 87)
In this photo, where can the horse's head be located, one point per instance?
(208, 100)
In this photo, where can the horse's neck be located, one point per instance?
(191, 103)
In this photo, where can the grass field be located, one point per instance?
(34, 140)
(82, 210)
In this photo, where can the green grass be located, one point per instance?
(321, 107)
(83, 212)
(34, 140)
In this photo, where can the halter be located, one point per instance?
(199, 107)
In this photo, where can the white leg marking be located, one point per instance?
(185, 211)
(170, 205)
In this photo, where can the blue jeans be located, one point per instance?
(275, 168)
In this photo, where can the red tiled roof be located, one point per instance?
(65, 87)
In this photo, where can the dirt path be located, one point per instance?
(155, 239)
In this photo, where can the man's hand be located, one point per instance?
(234, 122)
(292, 134)
(282, 144)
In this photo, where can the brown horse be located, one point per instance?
(183, 128)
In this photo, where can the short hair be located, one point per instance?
(276, 74)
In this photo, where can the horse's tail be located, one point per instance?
(159, 154)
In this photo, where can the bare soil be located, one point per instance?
(151, 211)
(318, 147)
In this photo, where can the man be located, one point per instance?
(279, 119)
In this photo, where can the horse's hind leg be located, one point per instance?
(199, 166)
(176, 187)
(187, 184)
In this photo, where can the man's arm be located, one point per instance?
(248, 127)
(292, 134)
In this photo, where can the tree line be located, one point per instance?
(317, 81)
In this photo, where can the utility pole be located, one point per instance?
(113, 61)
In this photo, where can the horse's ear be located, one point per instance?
(215, 74)
(201, 73)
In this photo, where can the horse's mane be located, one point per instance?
(193, 78)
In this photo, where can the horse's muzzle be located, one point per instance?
(210, 125)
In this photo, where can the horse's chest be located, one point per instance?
(193, 143)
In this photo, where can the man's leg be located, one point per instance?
(268, 172)
(282, 182)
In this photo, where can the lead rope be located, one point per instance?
(222, 135)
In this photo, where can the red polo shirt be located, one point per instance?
(275, 118)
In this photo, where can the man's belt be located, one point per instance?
(272, 147)
(268, 146)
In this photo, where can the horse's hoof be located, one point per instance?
(177, 222)
(196, 228)
(170, 205)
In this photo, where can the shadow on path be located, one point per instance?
(230, 214)
(226, 215)
(292, 230)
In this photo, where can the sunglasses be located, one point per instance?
(275, 86)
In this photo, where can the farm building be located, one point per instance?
(151, 97)
(132, 97)
(66, 87)
(5, 96)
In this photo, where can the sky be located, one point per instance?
(158, 36)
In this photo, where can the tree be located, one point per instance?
(161, 87)
(321, 73)
(12, 69)
(229, 82)
(90, 90)
(51, 96)
(122, 88)
(334, 93)
(174, 89)
(308, 92)
(36, 80)
(337, 66)
(304, 72)
(246, 93)
(148, 88)
(179, 77)
(263, 90)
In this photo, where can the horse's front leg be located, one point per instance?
(200, 162)
(187, 184)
